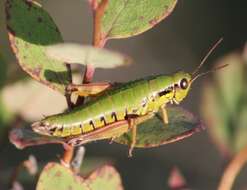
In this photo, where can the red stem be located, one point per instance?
(99, 42)
(233, 170)
(67, 156)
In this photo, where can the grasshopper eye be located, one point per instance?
(184, 83)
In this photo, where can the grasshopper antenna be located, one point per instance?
(206, 57)
(210, 71)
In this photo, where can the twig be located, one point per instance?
(69, 151)
(67, 156)
(232, 170)
(98, 41)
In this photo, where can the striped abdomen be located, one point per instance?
(137, 97)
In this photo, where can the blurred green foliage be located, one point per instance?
(56, 176)
(225, 104)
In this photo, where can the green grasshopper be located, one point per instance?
(118, 109)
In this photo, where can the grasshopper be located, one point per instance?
(118, 109)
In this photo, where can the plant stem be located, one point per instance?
(232, 170)
(67, 156)
(69, 151)
(98, 39)
(99, 42)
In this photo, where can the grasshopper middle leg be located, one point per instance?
(133, 122)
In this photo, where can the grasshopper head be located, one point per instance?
(41, 128)
(182, 83)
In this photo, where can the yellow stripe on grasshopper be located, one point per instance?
(121, 115)
(58, 132)
(76, 130)
(87, 127)
(98, 122)
(66, 132)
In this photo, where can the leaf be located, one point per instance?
(55, 176)
(106, 177)
(32, 100)
(24, 137)
(225, 104)
(125, 18)
(85, 54)
(92, 163)
(30, 29)
(154, 133)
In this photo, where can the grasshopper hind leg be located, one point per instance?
(133, 122)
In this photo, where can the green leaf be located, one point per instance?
(30, 29)
(106, 177)
(154, 132)
(125, 18)
(224, 104)
(92, 163)
(85, 54)
(56, 176)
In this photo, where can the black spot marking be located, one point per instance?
(75, 142)
(114, 115)
(144, 102)
(135, 110)
(152, 98)
(81, 126)
(52, 130)
(165, 92)
(92, 124)
(102, 119)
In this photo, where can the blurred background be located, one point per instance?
(178, 43)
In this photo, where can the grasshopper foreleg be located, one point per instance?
(164, 115)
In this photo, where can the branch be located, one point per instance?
(233, 170)
(98, 41)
